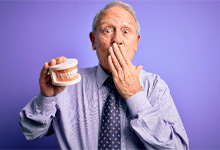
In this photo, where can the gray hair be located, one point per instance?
(116, 3)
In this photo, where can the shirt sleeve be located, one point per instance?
(36, 117)
(155, 119)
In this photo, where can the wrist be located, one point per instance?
(46, 94)
(128, 95)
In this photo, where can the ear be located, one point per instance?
(92, 39)
(137, 39)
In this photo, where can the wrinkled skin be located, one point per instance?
(115, 42)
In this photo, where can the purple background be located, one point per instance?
(180, 42)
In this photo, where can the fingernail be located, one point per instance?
(110, 49)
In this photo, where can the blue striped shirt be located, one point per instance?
(149, 119)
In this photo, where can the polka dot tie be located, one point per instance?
(110, 131)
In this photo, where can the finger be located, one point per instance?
(59, 60)
(119, 55)
(114, 60)
(112, 67)
(124, 55)
(52, 62)
(64, 58)
(138, 68)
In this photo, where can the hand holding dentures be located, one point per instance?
(57, 74)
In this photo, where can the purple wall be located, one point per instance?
(180, 42)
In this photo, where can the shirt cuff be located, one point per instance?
(45, 103)
(137, 103)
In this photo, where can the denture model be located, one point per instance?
(65, 73)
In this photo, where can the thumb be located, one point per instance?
(138, 68)
(44, 71)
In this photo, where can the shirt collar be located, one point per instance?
(101, 76)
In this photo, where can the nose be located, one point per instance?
(117, 38)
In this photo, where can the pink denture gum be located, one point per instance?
(65, 73)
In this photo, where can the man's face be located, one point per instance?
(115, 25)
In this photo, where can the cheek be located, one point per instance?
(104, 40)
(103, 46)
(131, 55)
(102, 52)
(131, 48)
(106, 43)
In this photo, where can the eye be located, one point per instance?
(126, 31)
(107, 31)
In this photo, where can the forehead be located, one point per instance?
(116, 14)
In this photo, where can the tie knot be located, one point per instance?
(109, 83)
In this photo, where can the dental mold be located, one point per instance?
(65, 73)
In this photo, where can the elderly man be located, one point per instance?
(138, 114)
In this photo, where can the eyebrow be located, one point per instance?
(108, 22)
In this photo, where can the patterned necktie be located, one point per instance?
(110, 131)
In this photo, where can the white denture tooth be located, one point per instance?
(68, 75)
(75, 71)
